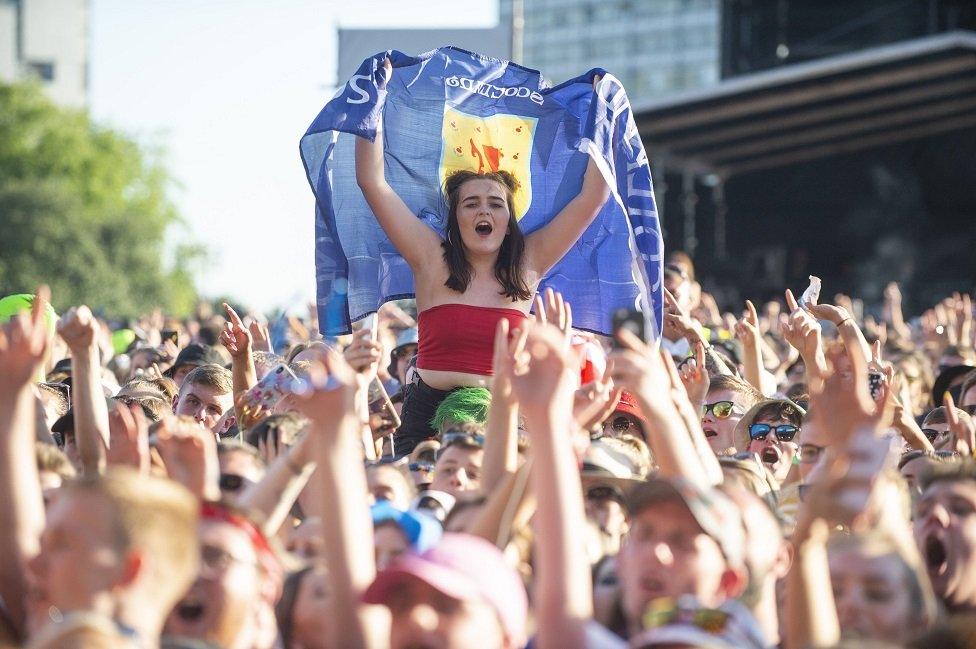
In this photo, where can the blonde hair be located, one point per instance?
(156, 516)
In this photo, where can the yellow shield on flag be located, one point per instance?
(484, 144)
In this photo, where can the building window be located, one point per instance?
(43, 69)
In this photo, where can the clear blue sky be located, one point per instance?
(226, 88)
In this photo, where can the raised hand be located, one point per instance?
(555, 311)
(830, 312)
(747, 329)
(363, 353)
(189, 452)
(963, 440)
(330, 393)
(235, 336)
(677, 321)
(504, 359)
(24, 342)
(79, 329)
(128, 438)
(260, 336)
(545, 373)
(802, 330)
(694, 376)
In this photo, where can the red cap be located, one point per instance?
(628, 405)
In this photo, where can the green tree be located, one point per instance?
(84, 209)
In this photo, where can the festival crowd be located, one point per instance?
(469, 471)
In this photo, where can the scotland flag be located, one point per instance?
(450, 109)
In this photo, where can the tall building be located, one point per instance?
(654, 47)
(357, 44)
(48, 40)
(762, 35)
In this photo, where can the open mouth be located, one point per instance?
(936, 557)
(484, 228)
(709, 432)
(190, 610)
(770, 455)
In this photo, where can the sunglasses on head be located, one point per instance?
(784, 432)
(457, 436)
(721, 409)
(420, 467)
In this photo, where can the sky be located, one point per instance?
(225, 89)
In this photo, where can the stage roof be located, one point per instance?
(813, 110)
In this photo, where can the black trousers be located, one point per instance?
(420, 402)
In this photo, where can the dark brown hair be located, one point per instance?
(508, 266)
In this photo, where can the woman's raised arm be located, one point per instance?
(546, 246)
(412, 238)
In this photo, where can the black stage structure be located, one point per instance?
(860, 168)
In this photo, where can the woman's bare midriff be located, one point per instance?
(441, 380)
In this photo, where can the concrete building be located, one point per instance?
(653, 46)
(47, 39)
(357, 44)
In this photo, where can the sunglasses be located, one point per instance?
(605, 492)
(810, 453)
(231, 482)
(665, 611)
(620, 424)
(455, 437)
(721, 409)
(784, 432)
(420, 467)
(931, 434)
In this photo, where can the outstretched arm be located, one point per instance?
(23, 346)
(412, 238)
(546, 246)
(545, 384)
(340, 481)
(78, 328)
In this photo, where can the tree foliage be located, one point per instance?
(84, 209)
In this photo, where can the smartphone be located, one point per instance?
(380, 404)
(632, 320)
(875, 381)
(370, 322)
(812, 293)
(269, 390)
(170, 334)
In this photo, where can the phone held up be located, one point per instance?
(633, 320)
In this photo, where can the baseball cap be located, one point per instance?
(11, 305)
(717, 516)
(603, 464)
(628, 405)
(195, 354)
(466, 568)
(421, 530)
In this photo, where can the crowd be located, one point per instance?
(468, 470)
(796, 477)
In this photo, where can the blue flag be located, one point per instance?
(449, 109)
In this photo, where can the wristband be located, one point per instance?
(844, 320)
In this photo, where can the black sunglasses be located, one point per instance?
(231, 482)
(784, 432)
(457, 436)
(622, 424)
(605, 492)
(721, 409)
(931, 434)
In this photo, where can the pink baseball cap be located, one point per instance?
(466, 568)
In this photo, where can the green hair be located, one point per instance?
(461, 406)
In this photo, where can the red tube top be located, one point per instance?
(460, 337)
